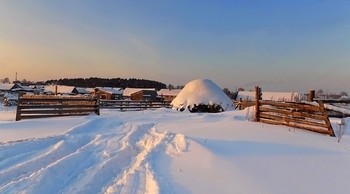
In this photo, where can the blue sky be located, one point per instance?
(281, 45)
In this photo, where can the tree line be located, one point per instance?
(108, 82)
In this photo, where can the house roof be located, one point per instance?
(60, 89)
(167, 92)
(6, 86)
(111, 90)
(276, 96)
(83, 90)
(129, 91)
(23, 88)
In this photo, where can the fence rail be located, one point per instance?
(125, 105)
(52, 106)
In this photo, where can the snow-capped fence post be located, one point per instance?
(311, 95)
(258, 96)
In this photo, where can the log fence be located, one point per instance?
(129, 105)
(53, 106)
(310, 116)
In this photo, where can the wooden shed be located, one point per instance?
(108, 93)
(150, 95)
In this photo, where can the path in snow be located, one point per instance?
(103, 155)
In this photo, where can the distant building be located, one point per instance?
(129, 91)
(275, 96)
(15, 88)
(149, 95)
(108, 93)
(168, 95)
(60, 89)
(7, 87)
(23, 88)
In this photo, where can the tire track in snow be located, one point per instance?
(138, 176)
(12, 154)
(114, 159)
(103, 155)
(64, 147)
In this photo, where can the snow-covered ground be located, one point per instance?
(165, 151)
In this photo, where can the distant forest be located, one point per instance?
(106, 82)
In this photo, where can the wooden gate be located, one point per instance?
(310, 116)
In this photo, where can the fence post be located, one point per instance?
(18, 111)
(257, 103)
(327, 122)
(56, 90)
(311, 95)
(97, 105)
(240, 104)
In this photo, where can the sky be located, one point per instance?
(280, 45)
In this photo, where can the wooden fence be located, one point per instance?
(51, 106)
(298, 115)
(309, 116)
(127, 105)
(339, 108)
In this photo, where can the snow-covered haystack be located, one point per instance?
(202, 95)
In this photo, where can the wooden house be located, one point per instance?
(275, 96)
(149, 95)
(108, 93)
(130, 91)
(7, 87)
(61, 89)
(168, 95)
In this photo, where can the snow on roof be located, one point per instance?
(202, 91)
(6, 86)
(167, 92)
(111, 90)
(22, 87)
(60, 89)
(83, 90)
(129, 91)
(276, 96)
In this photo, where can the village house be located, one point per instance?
(15, 88)
(7, 87)
(127, 93)
(168, 95)
(149, 95)
(60, 89)
(275, 96)
(109, 93)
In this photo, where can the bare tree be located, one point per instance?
(319, 92)
(343, 93)
(5, 80)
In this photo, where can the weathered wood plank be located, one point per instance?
(51, 115)
(328, 123)
(291, 105)
(37, 107)
(309, 116)
(59, 106)
(295, 125)
(286, 119)
(292, 113)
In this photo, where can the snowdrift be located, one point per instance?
(202, 95)
(164, 151)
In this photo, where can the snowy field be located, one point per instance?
(166, 151)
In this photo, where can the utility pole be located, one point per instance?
(16, 77)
